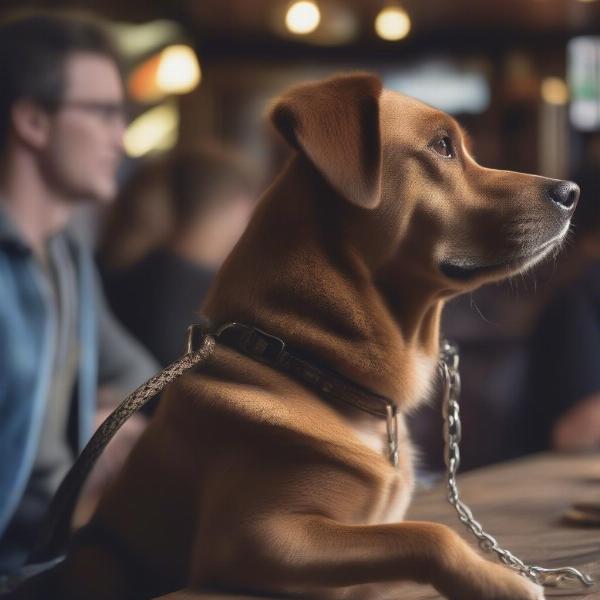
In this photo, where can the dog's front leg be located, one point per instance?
(301, 552)
(189, 594)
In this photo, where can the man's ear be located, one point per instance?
(30, 123)
(335, 122)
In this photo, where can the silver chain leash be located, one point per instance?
(448, 368)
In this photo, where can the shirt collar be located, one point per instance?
(9, 235)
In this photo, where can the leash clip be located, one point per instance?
(195, 337)
(391, 420)
(563, 577)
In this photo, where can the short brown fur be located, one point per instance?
(246, 479)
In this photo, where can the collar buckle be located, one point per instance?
(253, 341)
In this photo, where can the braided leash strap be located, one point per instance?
(55, 531)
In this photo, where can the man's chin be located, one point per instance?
(104, 198)
(100, 194)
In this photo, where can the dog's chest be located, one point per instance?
(421, 379)
(393, 492)
(399, 484)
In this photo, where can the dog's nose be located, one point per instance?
(565, 194)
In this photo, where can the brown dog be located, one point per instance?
(247, 479)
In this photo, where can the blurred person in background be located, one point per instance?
(561, 400)
(61, 128)
(139, 220)
(209, 196)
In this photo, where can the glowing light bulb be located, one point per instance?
(303, 17)
(554, 91)
(156, 129)
(178, 71)
(174, 70)
(392, 23)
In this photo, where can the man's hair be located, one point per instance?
(205, 177)
(33, 50)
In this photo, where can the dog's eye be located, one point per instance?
(443, 146)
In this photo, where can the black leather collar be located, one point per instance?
(273, 351)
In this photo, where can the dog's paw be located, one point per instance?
(514, 586)
(489, 581)
(532, 590)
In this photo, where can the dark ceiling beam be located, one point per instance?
(451, 41)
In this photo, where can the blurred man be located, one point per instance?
(61, 129)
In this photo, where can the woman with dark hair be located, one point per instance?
(207, 199)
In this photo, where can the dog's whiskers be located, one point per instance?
(478, 310)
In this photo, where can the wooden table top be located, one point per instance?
(521, 503)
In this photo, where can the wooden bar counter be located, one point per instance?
(522, 504)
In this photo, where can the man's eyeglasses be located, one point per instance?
(109, 112)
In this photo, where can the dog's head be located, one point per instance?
(406, 168)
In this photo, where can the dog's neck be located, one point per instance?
(294, 275)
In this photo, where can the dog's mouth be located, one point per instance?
(462, 272)
(466, 269)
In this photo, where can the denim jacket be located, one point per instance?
(27, 338)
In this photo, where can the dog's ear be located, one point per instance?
(336, 124)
